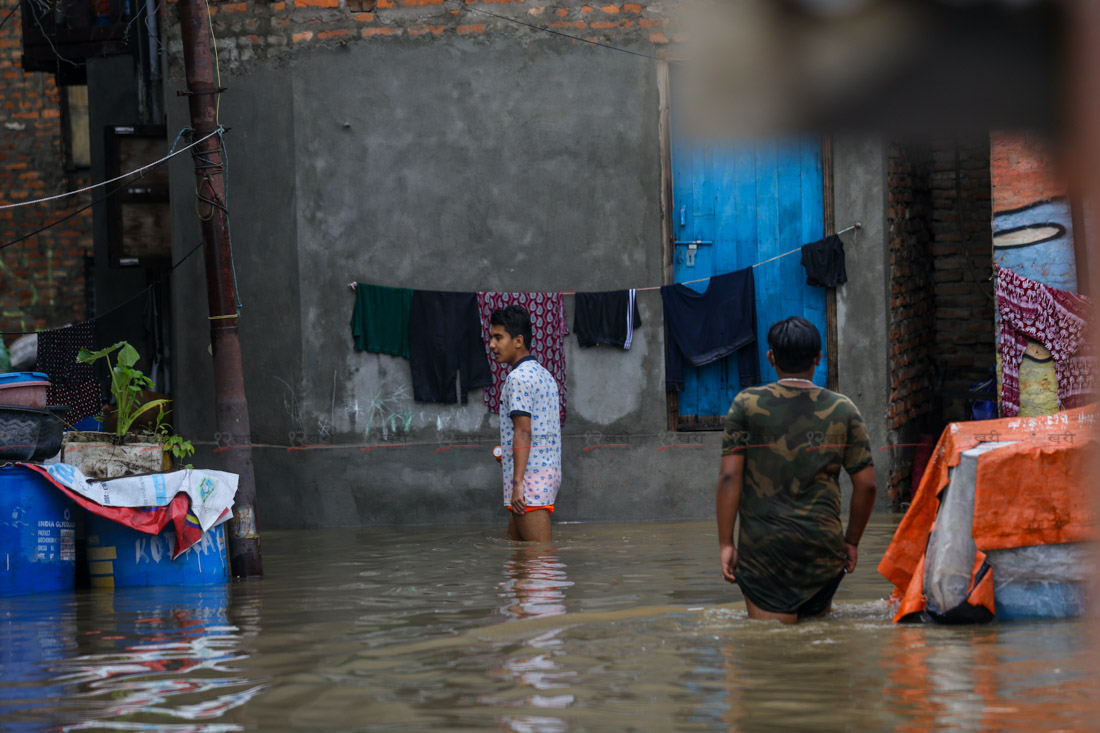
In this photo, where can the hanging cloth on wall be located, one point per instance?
(548, 327)
(380, 319)
(704, 327)
(606, 318)
(446, 352)
(633, 318)
(71, 382)
(824, 262)
(1058, 320)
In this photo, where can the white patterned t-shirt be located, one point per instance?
(531, 390)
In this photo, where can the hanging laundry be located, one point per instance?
(824, 262)
(606, 318)
(633, 318)
(380, 319)
(72, 383)
(704, 327)
(548, 331)
(1057, 319)
(446, 350)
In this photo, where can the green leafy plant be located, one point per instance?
(126, 383)
(174, 444)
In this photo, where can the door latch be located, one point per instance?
(688, 259)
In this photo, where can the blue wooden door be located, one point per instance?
(750, 203)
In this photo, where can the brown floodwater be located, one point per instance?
(615, 626)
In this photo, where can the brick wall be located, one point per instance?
(941, 321)
(912, 307)
(249, 32)
(965, 344)
(42, 280)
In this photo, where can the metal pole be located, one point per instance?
(229, 400)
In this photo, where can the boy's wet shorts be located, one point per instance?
(529, 509)
(815, 605)
(821, 600)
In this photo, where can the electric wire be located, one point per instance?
(136, 172)
(161, 280)
(217, 65)
(106, 196)
(8, 16)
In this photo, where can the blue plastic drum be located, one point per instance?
(121, 557)
(37, 534)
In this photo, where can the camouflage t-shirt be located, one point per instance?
(795, 440)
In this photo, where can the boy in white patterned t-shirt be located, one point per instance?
(530, 428)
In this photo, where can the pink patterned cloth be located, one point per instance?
(1057, 319)
(548, 331)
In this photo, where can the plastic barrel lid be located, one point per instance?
(16, 377)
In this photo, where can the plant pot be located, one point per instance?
(105, 455)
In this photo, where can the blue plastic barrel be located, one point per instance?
(120, 557)
(37, 534)
(1035, 599)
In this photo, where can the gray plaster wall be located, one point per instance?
(477, 165)
(863, 303)
(472, 164)
(262, 201)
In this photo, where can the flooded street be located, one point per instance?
(445, 628)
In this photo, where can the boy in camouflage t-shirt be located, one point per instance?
(782, 452)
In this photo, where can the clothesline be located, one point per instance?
(857, 225)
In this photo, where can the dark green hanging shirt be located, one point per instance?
(380, 319)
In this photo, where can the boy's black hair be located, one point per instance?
(795, 343)
(516, 321)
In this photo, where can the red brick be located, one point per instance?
(470, 29)
(433, 29)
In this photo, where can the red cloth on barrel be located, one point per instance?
(150, 520)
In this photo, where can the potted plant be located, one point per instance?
(141, 441)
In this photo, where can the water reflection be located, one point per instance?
(454, 628)
(157, 653)
(1026, 676)
(534, 585)
(131, 659)
(36, 633)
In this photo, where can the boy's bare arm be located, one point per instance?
(863, 503)
(728, 501)
(521, 450)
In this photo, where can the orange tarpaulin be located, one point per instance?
(1031, 493)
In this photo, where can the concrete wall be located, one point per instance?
(475, 164)
(860, 194)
